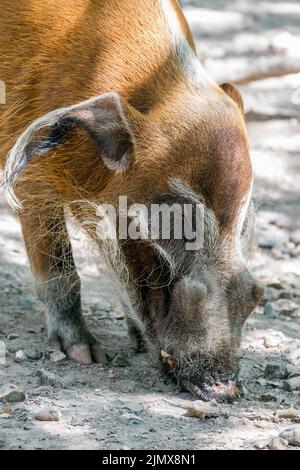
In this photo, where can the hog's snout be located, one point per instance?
(215, 390)
(204, 385)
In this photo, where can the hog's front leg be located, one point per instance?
(136, 335)
(58, 284)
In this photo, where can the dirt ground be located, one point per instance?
(235, 38)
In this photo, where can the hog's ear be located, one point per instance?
(232, 91)
(109, 121)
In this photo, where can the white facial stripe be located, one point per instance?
(189, 61)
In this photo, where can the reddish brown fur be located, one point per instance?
(62, 62)
(55, 54)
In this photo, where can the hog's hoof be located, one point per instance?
(87, 354)
(82, 353)
(221, 392)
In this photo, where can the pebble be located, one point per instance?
(25, 302)
(278, 284)
(6, 410)
(269, 311)
(278, 254)
(293, 355)
(134, 406)
(273, 443)
(272, 294)
(271, 341)
(12, 336)
(291, 435)
(46, 378)
(235, 422)
(295, 237)
(11, 394)
(291, 384)
(20, 356)
(57, 356)
(287, 295)
(290, 413)
(275, 371)
(130, 419)
(295, 252)
(285, 306)
(117, 315)
(293, 371)
(268, 397)
(278, 444)
(48, 414)
(32, 354)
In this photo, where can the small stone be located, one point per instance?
(235, 422)
(261, 444)
(272, 294)
(295, 237)
(32, 354)
(11, 394)
(274, 443)
(291, 384)
(48, 415)
(271, 341)
(130, 419)
(201, 409)
(6, 410)
(269, 311)
(295, 253)
(275, 371)
(134, 407)
(286, 295)
(290, 413)
(12, 336)
(277, 284)
(293, 355)
(268, 397)
(291, 435)
(20, 356)
(117, 314)
(278, 444)
(285, 306)
(25, 302)
(46, 378)
(57, 356)
(278, 254)
(293, 371)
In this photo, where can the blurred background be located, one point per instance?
(255, 44)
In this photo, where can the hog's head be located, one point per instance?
(190, 149)
(194, 306)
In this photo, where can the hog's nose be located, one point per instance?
(221, 391)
